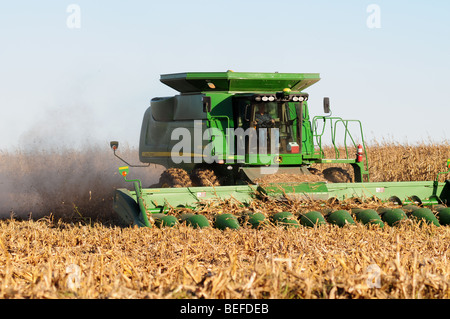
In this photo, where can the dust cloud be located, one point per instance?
(60, 168)
(64, 182)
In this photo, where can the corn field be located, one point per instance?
(60, 239)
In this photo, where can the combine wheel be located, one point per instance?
(175, 177)
(204, 177)
(337, 175)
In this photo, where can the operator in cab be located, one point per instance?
(262, 118)
(264, 121)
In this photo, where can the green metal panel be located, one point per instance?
(385, 190)
(406, 192)
(222, 108)
(301, 191)
(274, 159)
(254, 173)
(307, 134)
(307, 143)
(221, 118)
(156, 198)
(238, 81)
(178, 108)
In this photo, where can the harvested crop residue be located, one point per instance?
(290, 178)
(51, 259)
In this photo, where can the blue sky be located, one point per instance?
(71, 87)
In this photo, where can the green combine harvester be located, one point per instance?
(250, 135)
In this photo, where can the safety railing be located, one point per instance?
(318, 133)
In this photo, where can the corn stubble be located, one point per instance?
(83, 254)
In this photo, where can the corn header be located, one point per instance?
(249, 137)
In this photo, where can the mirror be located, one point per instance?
(326, 105)
(114, 145)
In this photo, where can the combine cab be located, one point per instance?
(249, 136)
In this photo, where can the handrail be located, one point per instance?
(333, 128)
(318, 137)
(217, 117)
